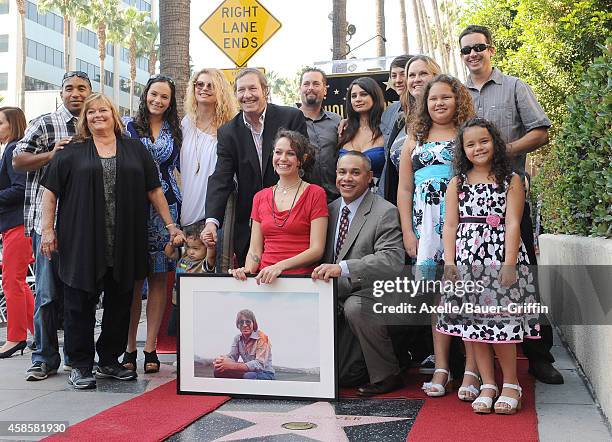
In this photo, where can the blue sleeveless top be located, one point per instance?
(376, 156)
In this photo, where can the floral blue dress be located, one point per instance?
(166, 156)
(432, 167)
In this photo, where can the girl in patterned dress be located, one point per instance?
(482, 243)
(425, 170)
(157, 125)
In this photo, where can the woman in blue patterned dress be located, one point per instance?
(157, 125)
(425, 170)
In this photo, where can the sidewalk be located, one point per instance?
(565, 412)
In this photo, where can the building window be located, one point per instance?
(94, 72)
(34, 84)
(48, 20)
(3, 81)
(4, 43)
(4, 6)
(141, 5)
(40, 52)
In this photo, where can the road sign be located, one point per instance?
(240, 28)
(230, 74)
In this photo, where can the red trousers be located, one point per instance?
(16, 255)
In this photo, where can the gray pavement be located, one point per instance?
(565, 412)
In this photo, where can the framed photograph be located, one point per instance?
(242, 339)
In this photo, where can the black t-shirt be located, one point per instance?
(75, 177)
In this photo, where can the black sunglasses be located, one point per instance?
(479, 47)
(79, 74)
(245, 322)
(160, 77)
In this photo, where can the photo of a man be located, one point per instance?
(251, 347)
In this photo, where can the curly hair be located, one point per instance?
(408, 101)
(226, 107)
(299, 143)
(141, 120)
(373, 90)
(464, 110)
(500, 166)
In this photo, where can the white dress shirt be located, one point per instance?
(353, 206)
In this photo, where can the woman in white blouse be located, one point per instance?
(209, 104)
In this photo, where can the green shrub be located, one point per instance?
(575, 181)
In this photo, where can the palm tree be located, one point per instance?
(440, 37)
(140, 35)
(339, 30)
(68, 9)
(426, 29)
(416, 13)
(174, 44)
(403, 25)
(21, 62)
(380, 28)
(103, 16)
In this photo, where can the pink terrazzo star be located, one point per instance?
(329, 425)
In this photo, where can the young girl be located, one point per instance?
(484, 205)
(424, 172)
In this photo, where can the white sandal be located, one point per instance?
(440, 389)
(514, 404)
(485, 401)
(469, 393)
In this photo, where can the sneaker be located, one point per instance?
(67, 367)
(39, 371)
(81, 379)
(32, 345)
(428, 365)
(116, 371)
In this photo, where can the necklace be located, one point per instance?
(278, 220)
(284, 189)
(199, 148)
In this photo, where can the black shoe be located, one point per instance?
(39, 371)
(545, 372)
(116, 371)
(387, 385)
(81, 379)
(14, 349)
(129, 360)
(32, 345)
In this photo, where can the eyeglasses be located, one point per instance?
(479, 47)
(244, 322)
(79, 74)
(202, 85)
(161, 77)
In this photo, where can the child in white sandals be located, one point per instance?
(482, 243)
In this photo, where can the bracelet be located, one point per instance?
(171, 224)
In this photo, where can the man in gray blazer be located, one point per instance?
(364, 242)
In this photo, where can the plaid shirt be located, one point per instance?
(40, 137)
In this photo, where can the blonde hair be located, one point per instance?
(226, 107)
(83, 131)
(409, 103)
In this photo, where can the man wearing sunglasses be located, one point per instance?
(511, 105)
(44, 137)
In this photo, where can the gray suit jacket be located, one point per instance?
(373, 248)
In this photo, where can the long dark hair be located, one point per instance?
(373, 90)
(464, 110)
(501, 163)
(141, 121)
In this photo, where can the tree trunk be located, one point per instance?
(152, 60)
(339, 30)
(441, 45)
(380, 28)
(102, 51)
(426, 29)
(174, 44)
(404, 27)
(66, 43)
(416, 14)
(132, 71)
(20, 73)
(453, 47)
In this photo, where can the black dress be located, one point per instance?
(75, 177)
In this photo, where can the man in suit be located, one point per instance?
(363, 240)
(244, 150)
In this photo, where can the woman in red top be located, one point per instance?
(289, 220)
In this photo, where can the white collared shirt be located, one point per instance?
(353, 206)
(257, 136)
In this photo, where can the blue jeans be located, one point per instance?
(260, 375)
(45, 308)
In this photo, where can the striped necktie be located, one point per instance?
(342, 231)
